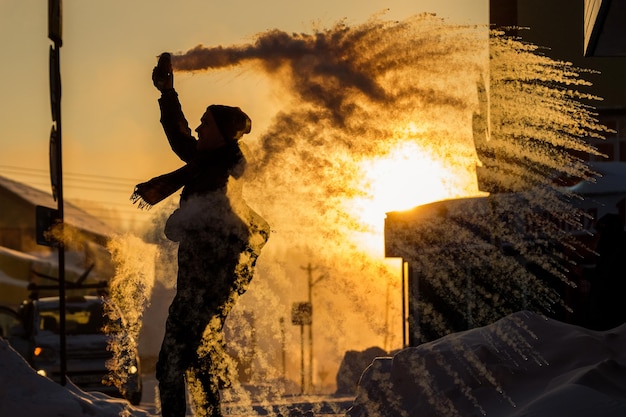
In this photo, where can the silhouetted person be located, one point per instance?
(609, 281)
(219, 237)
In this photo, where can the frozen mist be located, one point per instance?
(130, 289)
(354, 96)
(487, 258)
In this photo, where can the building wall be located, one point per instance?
(592, 10)
(614, 144)
(559, 26)
(21, 257)
(17, 223)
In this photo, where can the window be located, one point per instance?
(614, 145)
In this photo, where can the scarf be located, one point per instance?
(208, 171)
(159, 188)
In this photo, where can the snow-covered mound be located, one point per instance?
(523, 365)
(24, 393)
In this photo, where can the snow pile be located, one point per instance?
(522, 365)
(24, 393)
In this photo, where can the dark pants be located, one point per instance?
(193, 345)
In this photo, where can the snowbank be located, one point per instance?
(522, 365)
(24, 393)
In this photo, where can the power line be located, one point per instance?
(119, 184)
(69, 186)
(113, 185)
(43, 172)
(104, 210)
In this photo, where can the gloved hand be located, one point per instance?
(162, 74)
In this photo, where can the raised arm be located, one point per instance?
(173, 120)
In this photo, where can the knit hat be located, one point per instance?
(231, 121)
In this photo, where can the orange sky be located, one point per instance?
(109, 110)
(112, 138)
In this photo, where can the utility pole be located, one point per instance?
(283, 345)
(301, 315)
(55, 27)
(311, 283)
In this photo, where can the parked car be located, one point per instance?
(33, 331)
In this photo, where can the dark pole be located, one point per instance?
(283, 346)
(61, 249)
(413, 298)
(310, 280)
(56, 161)
(404, 318)
(311, 284)
(302, 359)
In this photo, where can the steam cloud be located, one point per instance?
(354, 93)
(357, 93)
(314, 61)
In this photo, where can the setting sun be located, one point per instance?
(406, 177)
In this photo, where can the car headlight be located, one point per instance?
(44, 353)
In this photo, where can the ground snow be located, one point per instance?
(24, 393)
(523, 365)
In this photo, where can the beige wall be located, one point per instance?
(17, 223)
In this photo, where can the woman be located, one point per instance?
(215, 255)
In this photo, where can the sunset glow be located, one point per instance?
(406, 177)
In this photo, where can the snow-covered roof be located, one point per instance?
(611, 179)
(9, 280)
(44, 263)
(73, 215)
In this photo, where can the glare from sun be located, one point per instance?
(406, 177)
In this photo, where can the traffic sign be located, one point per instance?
(54, 162)
(302, 314)
(55, 21)
(55, 84)
(46, 219)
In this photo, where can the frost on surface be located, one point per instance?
(130, 291)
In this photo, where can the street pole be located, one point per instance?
(283, 344)
(302, 389)
(404, 306)
(301, 316)
(56, 167)
(311, 283)
(309, 270)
